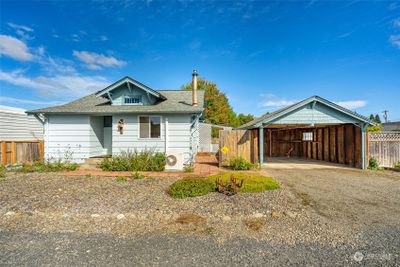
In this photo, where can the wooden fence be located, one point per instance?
(13, 152)
(385, 147)
(238, 143)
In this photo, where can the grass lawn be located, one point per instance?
(252, 182)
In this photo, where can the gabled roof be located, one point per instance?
(128, 80)
(266, 118)
(176, 101)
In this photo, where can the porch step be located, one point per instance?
(91, 163)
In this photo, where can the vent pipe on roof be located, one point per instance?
(194, 88)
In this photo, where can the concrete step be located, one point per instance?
(91, 163)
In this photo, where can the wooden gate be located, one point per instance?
(21, 151)
(385, 147)
(238, 143)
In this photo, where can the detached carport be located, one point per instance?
(314, 128)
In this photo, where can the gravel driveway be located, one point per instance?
(357, 198)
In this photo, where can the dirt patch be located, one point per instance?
(255, 223)
(191, 218)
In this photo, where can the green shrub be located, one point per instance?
(191, 187)
(137, 176)
(397, 165)
(121, 179)
(240, 164)
(374, 129)
(147, 160)
(88, 175)
(3, 171)
(42, 166)
(188, 168)
(373, 164)
(251, 182)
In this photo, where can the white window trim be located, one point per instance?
(132, 96)
(308, 134)
(161, 127)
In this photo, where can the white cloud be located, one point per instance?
(14, 48)
(27, 101)
(396, 23)
(20, 27)
(60, 86)
(103, 38)
(271, 101)
(22, 31)
(395, 40)
(352, 104)
(96, 61)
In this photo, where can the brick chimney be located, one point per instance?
(194, 88)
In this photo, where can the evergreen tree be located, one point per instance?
(378, 119)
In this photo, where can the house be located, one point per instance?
(127, 115)
(391, 126)
(314, 128)
(16, 125)
(21, 136)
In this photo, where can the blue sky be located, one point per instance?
(263, 55)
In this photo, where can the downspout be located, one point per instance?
(166, 134)
(364, 145)
(261, 145)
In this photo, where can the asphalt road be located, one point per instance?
(34, 249)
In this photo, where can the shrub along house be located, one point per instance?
(126, 115)
(314, 128)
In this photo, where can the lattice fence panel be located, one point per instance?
(385, 147)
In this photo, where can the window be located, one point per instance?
(149, 127)
(107, 121)
(133, 99)
(307, 136)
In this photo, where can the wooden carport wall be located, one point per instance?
(333, 143)
(330, 150)
(358, 121)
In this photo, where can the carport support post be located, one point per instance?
(261, 145)
(363, 145)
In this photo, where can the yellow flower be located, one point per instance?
(224, 149)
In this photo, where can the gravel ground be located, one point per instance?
(319, 216)
(34, 249)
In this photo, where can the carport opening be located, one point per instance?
(337, 143)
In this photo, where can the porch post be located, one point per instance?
(363, 146)
(261, 145)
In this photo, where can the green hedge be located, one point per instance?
(191, 187)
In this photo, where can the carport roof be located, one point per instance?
(267, 118)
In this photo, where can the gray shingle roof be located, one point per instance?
(178, 101)
(391, 126)
(282, 111)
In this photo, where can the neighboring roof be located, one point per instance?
(391, 126)
(128, 80)
(177, 101)
(8, 109)
(281, 112)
